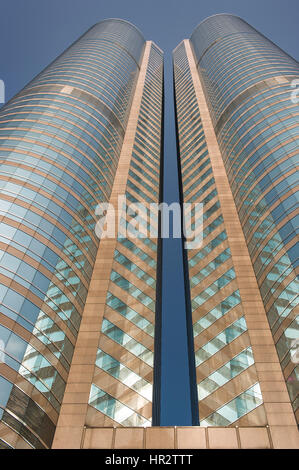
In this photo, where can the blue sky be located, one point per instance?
(35, 32)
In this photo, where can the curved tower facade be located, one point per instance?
(62, 145)
(238, 139)
(81, 282)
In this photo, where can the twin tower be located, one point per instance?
(80, 318)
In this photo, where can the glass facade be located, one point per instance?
(80, 319)
(60, 141)
(248, 85)
(226, 377)
(122, 389)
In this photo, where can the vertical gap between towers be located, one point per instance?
(171, 400)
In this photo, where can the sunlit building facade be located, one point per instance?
(81, 315)
(84, 131)
(237, 130)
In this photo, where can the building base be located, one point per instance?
(187, 437)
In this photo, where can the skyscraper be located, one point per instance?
(237, 131)
(80, 318)
(83, 132)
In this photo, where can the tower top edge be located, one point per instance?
(120, 20)
(217, 14)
